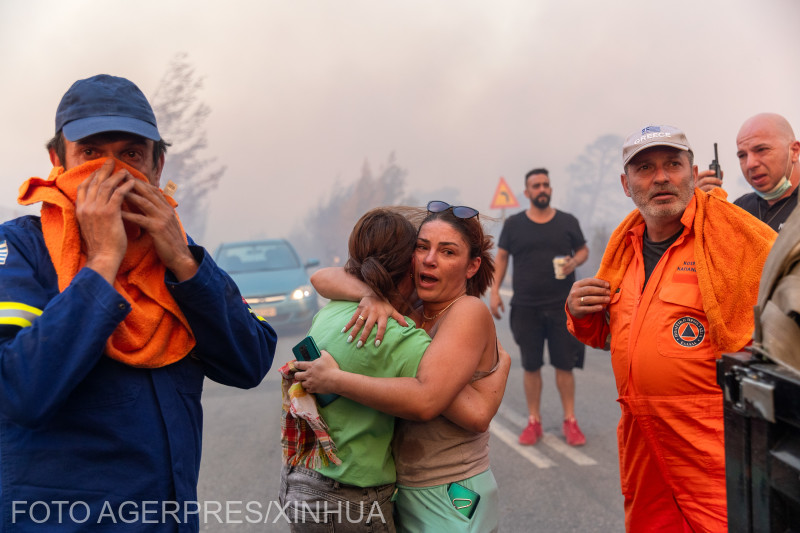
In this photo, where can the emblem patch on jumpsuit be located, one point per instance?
(688, 332)
(3, 252)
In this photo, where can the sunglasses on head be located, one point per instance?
(459, 211)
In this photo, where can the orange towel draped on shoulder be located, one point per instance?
(731, 247)
(155, 333)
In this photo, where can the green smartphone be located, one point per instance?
(463, 499)
(306, 350)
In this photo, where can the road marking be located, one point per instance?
(550, 440)
(565, 449)
(531, 454)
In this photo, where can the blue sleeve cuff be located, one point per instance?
(96, 288)
(197, 284)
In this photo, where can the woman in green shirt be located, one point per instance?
(439, 458)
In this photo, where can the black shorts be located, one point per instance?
(532, 325)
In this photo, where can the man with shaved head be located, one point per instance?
(768, 155)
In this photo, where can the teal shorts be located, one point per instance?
(426, 509)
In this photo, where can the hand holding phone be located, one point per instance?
(306, 350)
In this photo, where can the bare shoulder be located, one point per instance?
(470, 304)
(472, 310)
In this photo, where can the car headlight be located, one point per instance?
(302, 292)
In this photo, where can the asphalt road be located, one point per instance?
(549, 487)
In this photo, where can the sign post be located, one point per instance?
(503, 197)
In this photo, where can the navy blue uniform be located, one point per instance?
(81, 428)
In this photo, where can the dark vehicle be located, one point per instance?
(272, 280)
(762, 444)
(762, 401)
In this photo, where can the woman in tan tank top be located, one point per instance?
(444, 481)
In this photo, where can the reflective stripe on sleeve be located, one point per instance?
(256, 315)
(18, 314)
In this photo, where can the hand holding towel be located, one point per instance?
(155, 333)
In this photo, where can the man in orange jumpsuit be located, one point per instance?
(674, 291)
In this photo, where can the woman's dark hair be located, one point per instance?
(480, 245)
(380, 248)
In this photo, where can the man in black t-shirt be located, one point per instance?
(768, 155)
(534, 238)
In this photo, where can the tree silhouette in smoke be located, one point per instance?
(595, 195)
(325, 231)
(181, 120)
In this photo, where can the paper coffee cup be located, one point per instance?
(559, 262)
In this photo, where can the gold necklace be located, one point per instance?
(434, 317)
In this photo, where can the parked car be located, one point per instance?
(272, 280)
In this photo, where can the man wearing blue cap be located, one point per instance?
(110, 319)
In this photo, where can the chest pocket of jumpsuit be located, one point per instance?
(683, 326)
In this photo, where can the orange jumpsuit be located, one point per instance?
(671, 433)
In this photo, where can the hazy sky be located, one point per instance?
(302, 92)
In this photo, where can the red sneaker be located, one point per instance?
(573, 433)
(531, 433)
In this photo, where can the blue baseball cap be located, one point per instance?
(105, 103)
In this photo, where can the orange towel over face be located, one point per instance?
(731, 247)
(155, 333)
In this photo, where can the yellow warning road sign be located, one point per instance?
(503, 197)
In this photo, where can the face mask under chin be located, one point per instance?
(780, 189)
